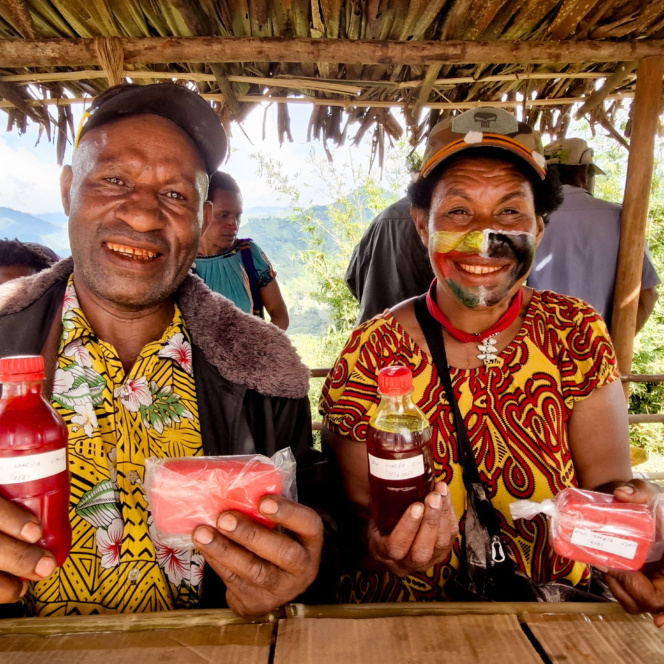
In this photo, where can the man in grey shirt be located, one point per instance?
(390, 264)
(578, 254)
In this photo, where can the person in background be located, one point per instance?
(578, 255)
(144, 360)
(21, 259)
(389, 264)
(237, 268)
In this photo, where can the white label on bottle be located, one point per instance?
(15, 470)
(396, 469)
(592, 540)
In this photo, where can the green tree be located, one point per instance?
(333, 231)
(649, 343)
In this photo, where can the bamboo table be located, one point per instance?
(371, 634)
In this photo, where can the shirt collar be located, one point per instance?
(77, 327)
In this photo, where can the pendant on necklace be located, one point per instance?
(488, 350)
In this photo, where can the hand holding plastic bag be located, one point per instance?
(188, 492)
(230, 505)
(642, 590)
(595, 528)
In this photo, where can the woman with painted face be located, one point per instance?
(533, 373)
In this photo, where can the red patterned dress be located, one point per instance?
(516, 411)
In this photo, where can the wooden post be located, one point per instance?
(645, 113)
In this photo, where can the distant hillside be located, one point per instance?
(283, 240)
(58, 218)
(28, 228)
(266, 210)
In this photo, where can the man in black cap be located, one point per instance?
(143, 360)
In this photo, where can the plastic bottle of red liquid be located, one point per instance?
(399, 449)
(33, 452)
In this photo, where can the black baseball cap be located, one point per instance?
(185, 108)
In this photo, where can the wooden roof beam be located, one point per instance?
(15, 53)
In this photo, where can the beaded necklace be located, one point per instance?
(487, 347)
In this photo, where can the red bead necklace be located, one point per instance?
(467, 337)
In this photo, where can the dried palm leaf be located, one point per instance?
(283, 124)
(77, 16)
(480, 16)
(154, 15)
(104, 19)
(565, 23)
(16, 13)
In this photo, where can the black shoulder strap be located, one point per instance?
(487, 572)
(432, 331)
(477, 493)
(250, 269)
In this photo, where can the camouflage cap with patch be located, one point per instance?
(479, 128)
(571, 152)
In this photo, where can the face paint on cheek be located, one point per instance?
(471, 298)
(443, 243)
(517, 246)
(448, 247)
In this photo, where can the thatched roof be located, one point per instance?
(351, 98)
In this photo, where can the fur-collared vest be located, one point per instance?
(251, 389)
(251, 386)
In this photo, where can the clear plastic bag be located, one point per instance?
(187, 492)
(595, 528)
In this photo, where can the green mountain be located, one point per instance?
(283, 240)
(29, 228)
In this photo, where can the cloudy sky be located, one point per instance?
(29, 176)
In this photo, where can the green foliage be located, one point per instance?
(331, 232)
(649, 343)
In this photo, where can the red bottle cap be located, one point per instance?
(395, 380)
(21, 368)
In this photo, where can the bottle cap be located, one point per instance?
(21, 368)
(395, 380)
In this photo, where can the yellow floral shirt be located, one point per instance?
(115, 421)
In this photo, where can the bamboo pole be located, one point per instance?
(361, 611)
(16, 53)
(328, 85)
(640, 378)
(346, 103)
(136, 622)
(139, 622)
(646, 418)
(645, 114)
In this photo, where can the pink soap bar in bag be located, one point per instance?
(596, 529)
(190, 492)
